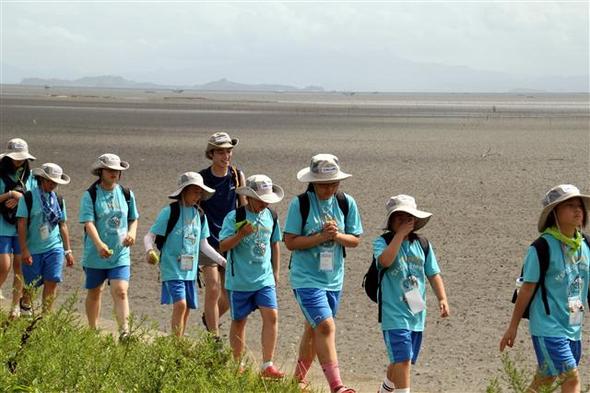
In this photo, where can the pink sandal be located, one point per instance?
(344, 389)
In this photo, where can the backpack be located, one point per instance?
(29, 203)
(542, 248)
(373, 277)
(92, 191)
(241, 216)
(11, 185)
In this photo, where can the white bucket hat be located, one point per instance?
(109, 161)
(192, 178)
(324, 168)
(53, 172)
(260, 187)
(406, 203)
(221, 140)
(17, 149)
(555, 196)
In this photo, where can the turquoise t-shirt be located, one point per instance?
(7, 229)
(560, 283)
(35, 241)
(183, 240)
(395, 313)
(305, 269)
(112, 214)
(249, 266)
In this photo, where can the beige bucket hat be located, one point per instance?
(555, 196)
(261, 187)
(221, 140)
(406, 203)
(53, 172)
(324, 168)
(17, 149)
(192, 178)
(109, 161)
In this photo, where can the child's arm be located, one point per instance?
(101, 247)
(347, 240)
(436, 282)
(302, 242)
(21, 227)
(525, 293)
(65, 237)
(275, 249)
(131, 234)
(209, 251)
(149, 242)
(388, 255)
(230, 242)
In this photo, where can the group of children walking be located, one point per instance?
(219, 223)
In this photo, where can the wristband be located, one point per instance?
(67, 252)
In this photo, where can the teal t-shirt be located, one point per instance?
(561, 283)
(183, 240)
(249, 266)
(111, 221)
(395, 313)
(305, 269)
(35, 230)
(7, 229)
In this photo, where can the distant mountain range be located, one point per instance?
(120, 82)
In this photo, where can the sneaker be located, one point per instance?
(272, 372)
(25, 309)
(124, 337)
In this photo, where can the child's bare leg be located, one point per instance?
(269, 334)
(185, 320)
(539, 381)
(571, 382)
(306, 353)
(325, 341)
(399, 374)
(178, 317)
(49, 293)
(212, 293)
(119, 290)
(93, 302)
(4, 267)
(237, 337)
(18, 280)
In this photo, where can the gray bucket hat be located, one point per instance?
(221, 140)
(261, 187)
(324, 168)
(192, 178)
(17, 149)
(406, 203)
(555, 196)
(109, 161)
(53, 172)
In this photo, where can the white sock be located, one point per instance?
(406, 390)
(266, 365)
(387, 386)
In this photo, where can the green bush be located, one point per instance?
(57, 353)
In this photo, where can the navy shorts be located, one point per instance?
(177, 290)
(95, 277)
(317, 305)
(402, 345)
(242, 303)
(46, 266)
(9, 245)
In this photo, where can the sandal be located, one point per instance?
(344, 389)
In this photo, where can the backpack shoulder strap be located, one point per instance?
(342, 204)
(303, 208)
(425, 244)
(275, 218)
(542, 248)
(240, 214)
(92, 192)
(172, 220)
(29, 203)
(127, 195)
(235, 174)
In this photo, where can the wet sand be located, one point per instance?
(480, 163)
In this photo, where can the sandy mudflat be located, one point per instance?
(480, 163)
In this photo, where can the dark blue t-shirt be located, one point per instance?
(221, 203)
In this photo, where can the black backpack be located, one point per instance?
(92, 191)
(11, 185)
(542, 248)
(29, 203)
(172, 220)
(372, 279)
(241, 216)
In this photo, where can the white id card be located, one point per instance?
(415, 301)
(186, 262)
(44, 231)
(326, 260)
(576, 310)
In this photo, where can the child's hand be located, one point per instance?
(70, 260)
(26, 257)
(330, 230)
(11, 203)
(246, 229)
(104, 251)
(443, 305)
(129, 240)
(152, 257)
(509, 338)
(407, 226)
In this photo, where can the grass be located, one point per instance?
(57, 353)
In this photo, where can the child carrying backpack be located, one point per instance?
(251, 235)
(404, 263)
(556, 294)
(178, 233)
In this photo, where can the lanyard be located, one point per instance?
(574, 287)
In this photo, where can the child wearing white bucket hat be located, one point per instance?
(43, 234)
(224, 178)
(251, 235)
(405, 261)
(554, 289)
(320, 223)
(15, 180)
(178, 234)
(109, 214)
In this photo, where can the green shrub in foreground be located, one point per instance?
(58, 354)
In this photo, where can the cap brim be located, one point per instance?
(306, 176)
(98, 166)
(226, 145)
(19, 156)
(277, 194)
(207, 192)
(63, 179)
(549, 208)
(422, 217)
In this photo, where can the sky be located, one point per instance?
(441, 46)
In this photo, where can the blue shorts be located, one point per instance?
(556, 355)
(402, 345)
(95, 277)
(9, 245)
(242, 303)
(317, 304)
(177, 290)
(46, 266)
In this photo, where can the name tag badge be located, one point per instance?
(415, 301)
(576, 310)
(326, 260)
(186, 262)
(44, 231)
